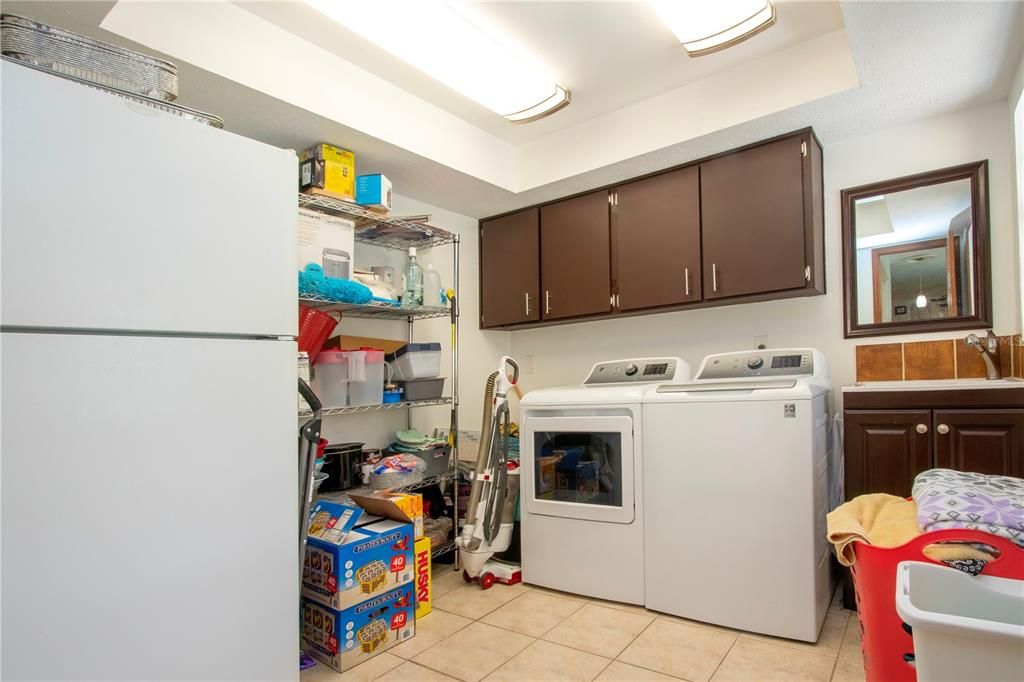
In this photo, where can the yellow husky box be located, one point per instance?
(422, 577)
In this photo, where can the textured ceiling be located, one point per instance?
(914, 59)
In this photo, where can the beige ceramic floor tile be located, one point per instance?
(533, 614)
(678, 649)
(544, 661)
(430, 630)
(829, 639)
(623, 672)
(599, 630)
(411, 671)
(473, 652)
(364, 672)
(751, 659)
(558, 593)
(848, 671)
(694, 623)
(472, 602)
(444, 579)
(850, 649)
(620, 606)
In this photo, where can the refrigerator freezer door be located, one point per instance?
(149, 503)
(116, 216)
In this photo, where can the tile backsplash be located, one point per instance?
(945, 359)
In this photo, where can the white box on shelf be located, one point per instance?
(319, 231)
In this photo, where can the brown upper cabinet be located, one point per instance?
(742, 226)
(752, 217)
(510, 269)
(656, 233)
(575, 248)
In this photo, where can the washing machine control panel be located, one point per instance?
(758, 363)
(636, 371)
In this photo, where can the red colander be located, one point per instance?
(315, 327)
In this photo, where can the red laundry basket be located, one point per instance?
(315, 327)
(883, 639)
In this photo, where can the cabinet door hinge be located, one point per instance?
(803, 149)
(807, 273)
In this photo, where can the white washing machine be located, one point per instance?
(582, 467)
(736, 491)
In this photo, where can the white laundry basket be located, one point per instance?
(964, 627)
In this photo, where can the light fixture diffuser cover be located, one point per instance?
(707, 27)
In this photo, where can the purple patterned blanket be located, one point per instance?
(956, 499)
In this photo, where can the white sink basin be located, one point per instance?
(935, 385)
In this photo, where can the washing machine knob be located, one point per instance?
(631, 370)
(755, 362)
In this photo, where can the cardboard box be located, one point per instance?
(424, 577)
(329, 170)
(546, 475)
(373, 191)
(344, 639)
(343, 568)
(409, 507)
(319, 231)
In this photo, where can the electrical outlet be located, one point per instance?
(527, 364)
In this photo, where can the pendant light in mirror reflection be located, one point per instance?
(435, 38)
(704, 27)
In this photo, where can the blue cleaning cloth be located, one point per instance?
(313, 282)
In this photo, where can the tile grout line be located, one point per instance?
(637, 665)
(835, 663)
(727, 652)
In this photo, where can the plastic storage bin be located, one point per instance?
(330, 378)
(365, 376)
(422, 389)
(965, 627)
(885, 644)
(416, 361)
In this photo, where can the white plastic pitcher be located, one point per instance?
(365, 377)
(330, 378)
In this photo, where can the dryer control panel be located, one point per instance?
(759, 363)
(638, 371)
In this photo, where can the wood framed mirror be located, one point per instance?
(916, 253)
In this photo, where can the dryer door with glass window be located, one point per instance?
(579, 467)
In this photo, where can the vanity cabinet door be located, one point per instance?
(884, 450)
(982, 441)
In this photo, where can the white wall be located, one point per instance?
(562, 355)
(479, 351)
(1016, 104)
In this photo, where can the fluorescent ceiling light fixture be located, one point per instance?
(433, 37)
(706, 26)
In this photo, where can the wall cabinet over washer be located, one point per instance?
(742, 226)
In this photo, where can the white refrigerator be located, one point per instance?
(147, 359)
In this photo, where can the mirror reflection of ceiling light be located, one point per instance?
(708, 26)
(433, 37)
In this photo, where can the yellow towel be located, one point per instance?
(886, 521)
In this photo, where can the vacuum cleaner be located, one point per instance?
(490, 514)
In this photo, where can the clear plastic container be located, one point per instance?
(417, 361)
(365, 376)
(431, 287)
(330, 378)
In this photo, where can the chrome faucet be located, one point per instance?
(989, 352)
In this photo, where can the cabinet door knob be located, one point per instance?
(942, 428)
(686, 274)
(547, 301)
(527, 295)
(714, 277)
(922, 428)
